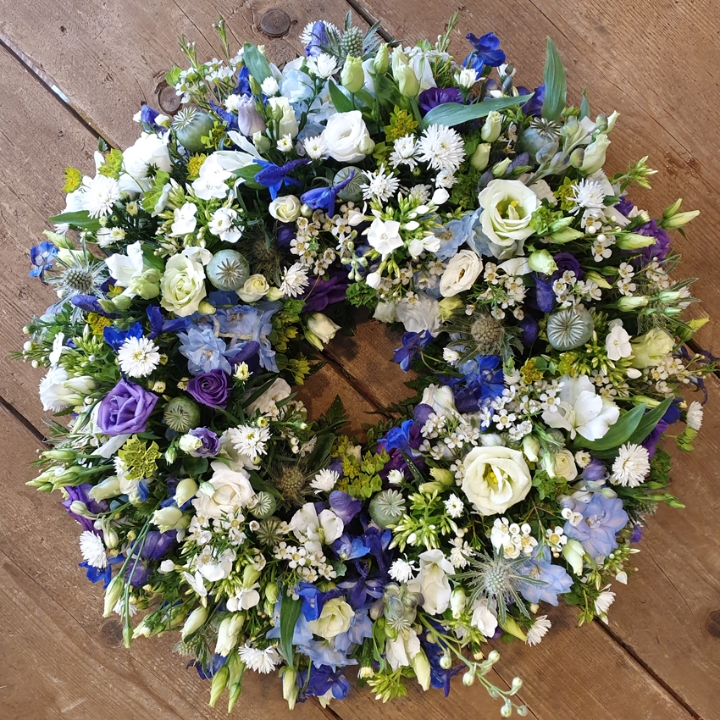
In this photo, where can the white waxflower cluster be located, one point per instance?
(309, 563)
(513, 539)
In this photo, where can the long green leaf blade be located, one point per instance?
(618, 433)
(649, 421)
(341, 102)
(289, 614)
(555, 83)
(456, 113)
(79, 219)
(256, 63)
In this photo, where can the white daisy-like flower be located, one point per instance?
(322, 66)
(380, 185)
(631, 466)
(445, 179)
(538, 630)
(294, 281)
(395, 477)
(270, 86)
(404, 152)
(262, 661)
(119, 608)
(694, 416)
(249, 440)
(402, 571)
(325, 480)
(419, 194)
(100, 195)
(603, 603)
(92, 549)
(285, 143)
(442, 148)
(588, 194)
(315, 147)
(306, 36)
(138, 357)
(454, 506)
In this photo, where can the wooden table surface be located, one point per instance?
(73, 70)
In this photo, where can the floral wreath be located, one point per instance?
(198, 271)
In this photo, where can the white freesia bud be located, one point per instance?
(632, 303)
(196, 619)
(458, 600)
(169, 518)
(189, 443)
(421, 666)
(680, 219)
(492, 127)
(574, 553)
(228, 633)
(480, 158)
(542, 261)
(289, 682)
(108, 488)
(112, 594)
(595, 154)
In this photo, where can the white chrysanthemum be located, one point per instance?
(262, 661)
(588, 194)
(285, 143)
(395, 477)
(93, 549)
(538, 630)
(402, 571)
(324, 481)
(454, 506)
(380, 185)
(322, 66)
(315, 147)
(694, 415)
(442, 148)
(306, 36)
(603, 603)
(404, 152)
(99, 196)
(249, 440)
(419, 194)
(138, 357)
(631, 466)
(294, 281)
(445, 178)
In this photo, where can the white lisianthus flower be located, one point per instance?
(322, 327)
(384, 236)
(432, 581)
(495, 478)
(231, 490)
(346, 137)
(267, 402)
(560, 464)
(461, 273)
(483, 618)
(288, 121)
(617, 343)
(255, 287)
(581, 410)
(148, 151)
(316, 530)
(419, 314)
(182, 285)
(285, 208)
(335, 619)
(694, 415)
(223, 223)
(651, 348)
(505, 219)
(59, 391)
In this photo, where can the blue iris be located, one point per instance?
(115, 337)
(273, 177)
(323, 198)
(486, 52)
(42, 257)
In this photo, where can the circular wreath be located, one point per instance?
(196, 270)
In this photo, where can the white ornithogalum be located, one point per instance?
(442, 148)
(261, 661)
(138, 357)
(93, 549)
(384, 236)
(538, 630)
(295, 280)
(694, 415)
(324, 481)
(617, 343)
(631, 466)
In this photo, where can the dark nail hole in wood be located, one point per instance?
(712, 623)
(111, 632)
(63, 29)
(168, 99)
(275, 23)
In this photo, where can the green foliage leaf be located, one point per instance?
(248, 174)
(256, 63)
(289, 614)
(341, 102)
(80, 219)
(555, 83)
(153, 195)
(618, 433)
(454, 113)
(649, 421)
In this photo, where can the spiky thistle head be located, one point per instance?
(292, 482)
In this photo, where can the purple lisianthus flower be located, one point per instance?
(323, 198)
(210, 442)
(344, 505)
(422, 412)
(533, 107)
(594, 471)
(42, 257)
(249, 120)
(602, 519)
(136, 573)
(486, 51)
(210, 388)
(322, 293)
(432, 97)
(659, 249)
(554, 578)
(80, 493)
(544, 295)
(204, 350)
(273, 177)
(566, 261)
(158, 544)
(412, 344)
(125, 409)
(625, 205)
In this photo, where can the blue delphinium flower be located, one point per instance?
(206, 672)
(317, 681)
(553, 579)
(116, 338)
(323, 198)
(325, 653)
(349, 547)
(245, 323)
(484, 381)
(602, 519)
(159, 325)
(203, 350)
(273, 177)
(42, 257)
(95, 574)
(344, 506)
(486, 51)
(453, 235)
(318, 39)
(440, 677)
(361, 627)
(412, 344)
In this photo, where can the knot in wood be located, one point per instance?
(275, 23)
(111, 633)
(712, 623)
(168, 99)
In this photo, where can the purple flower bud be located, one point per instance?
(594, 471)
(158, 545)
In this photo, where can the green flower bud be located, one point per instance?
(633, 241)
(499, 168)
(577, 157)
(531, 448)
(272, 592)
(261, 142)
(381, 61)
(632, 303)
(108, 488)
(480, 158)
(443, 476)
(542, 261)
(219, 683)
(574, 554)
(170, 518)
(228, 633)
(595, 155)
(121, 302)
(353, 75)
(672, 209)
(598, 279)
(112, 594)
(195, 621)
(677, 221)
(185, 489)
(421, 666)
(492, 127)
(289, 683)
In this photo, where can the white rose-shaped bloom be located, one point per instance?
(288, 121)
(255, 287)
(285, 209)
(419, 314)
(384, 236)
(505, 219)
(182, 285)
(560, 464)
(279, 390)
(495, 478)
(432, 581)
(386, 312)
(400, 651)
(149, 150)
(231, 490)
(461, 273)
(323, 327)
(345, 136)
(315, 530)
(617, 343)
(651, 348)
(483, 618)
(335, 619)
(581, 410)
